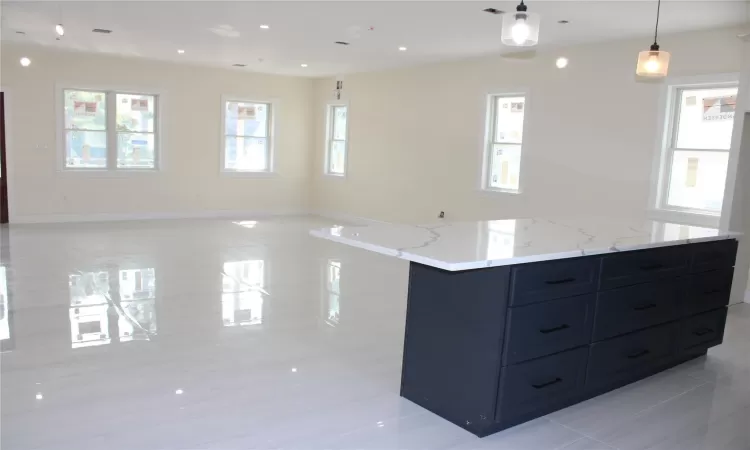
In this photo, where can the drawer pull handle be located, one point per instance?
(644, 307)
(712, 291)
(561, 281)
(544, 385)
(639, 354)
(654, 266)
(703, 331)
(552, 330)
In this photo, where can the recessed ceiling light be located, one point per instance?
(563, 21)
(264, 27)
(341, 43)
(180, 51)
(101, 30)
(239, 65)
(303, 65)
(59, 29)
(402, 49)
(493, 11)
(562, 62)
(20, 32)
(25, 61)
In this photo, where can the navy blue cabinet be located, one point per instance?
(490, 348)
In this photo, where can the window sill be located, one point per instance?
(335, 176)
(699, 219)
(109, 173)
(248, 174)
(501, 191)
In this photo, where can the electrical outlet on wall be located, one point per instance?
(441, 215)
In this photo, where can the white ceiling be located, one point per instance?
(222, 33)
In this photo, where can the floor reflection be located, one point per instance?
(243, 287)
(5, 336)
(332, 293)
(113, 305)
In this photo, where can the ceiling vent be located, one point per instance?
(341, 43)
(239, 65)
(493, 11)
(101, 30)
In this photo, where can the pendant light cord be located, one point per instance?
(656, 30)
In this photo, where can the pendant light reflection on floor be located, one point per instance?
(520, 29)
(653, 63)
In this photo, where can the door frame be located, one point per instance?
(7, 97)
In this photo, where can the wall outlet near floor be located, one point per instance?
(441, 215)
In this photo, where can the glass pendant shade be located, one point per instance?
(520, 29)
(653, 63)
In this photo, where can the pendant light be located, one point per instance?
(520, 29)
(653, 63)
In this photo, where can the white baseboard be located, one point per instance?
(356, 220)
(219, 214)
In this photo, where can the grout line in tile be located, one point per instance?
(582, 434)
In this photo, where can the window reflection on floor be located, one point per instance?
(246, 223)
(242, 293)
(332, 294)
(4, 309)
(99, 318)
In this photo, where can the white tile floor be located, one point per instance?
(213, 335)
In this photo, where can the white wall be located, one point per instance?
(190, 183)
(416, 135)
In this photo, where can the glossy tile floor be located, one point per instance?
(253, 335)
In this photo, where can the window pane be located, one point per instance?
(506, 166)
(705, 118)
(339, 123)
(337, 158)
(135, 151)
(136, 112)
(245, 153)
(509, 113)
(85, 110)
(86, 149)
(246, 119)
(697, 180)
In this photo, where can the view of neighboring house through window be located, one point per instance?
(505, 142)
(109, 130)
(247, 135)
(699, 135)
(336, 141)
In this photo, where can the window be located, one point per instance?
(336, 134)
(504, 142)
(247, 136)
(696, 150)
(107, 130)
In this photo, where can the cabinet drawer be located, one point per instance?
(707, 291)
(627, 309)
(532, 283)
(628, 268)
(625, 357)
(700, 332)
(546, 328)
(532, 385)
(713, 255)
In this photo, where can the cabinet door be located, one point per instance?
(537, 282)
(698, 333)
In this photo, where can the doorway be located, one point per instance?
(3, 165)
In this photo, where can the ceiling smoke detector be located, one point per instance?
(101, 30)
(493, 11)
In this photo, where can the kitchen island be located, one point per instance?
(509, 320)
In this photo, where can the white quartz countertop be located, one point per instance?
(472, 245)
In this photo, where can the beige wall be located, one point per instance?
(190, 183)
(416, 135)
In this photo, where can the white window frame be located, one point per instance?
(329, 139)
(489, 136)
(111, 130)
(270, 136)
(662, 165)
